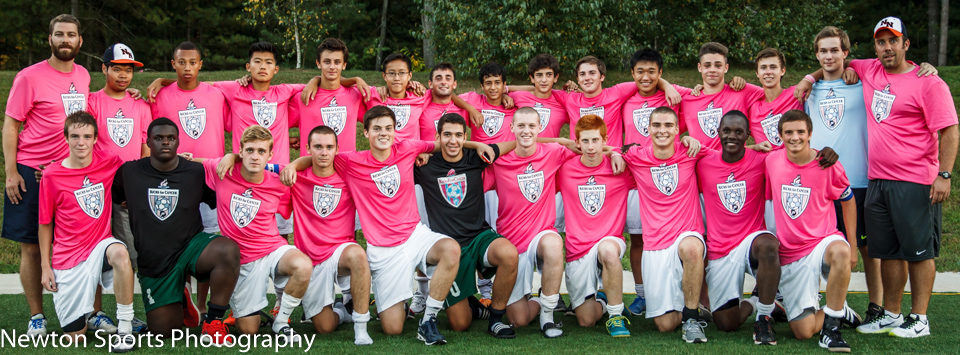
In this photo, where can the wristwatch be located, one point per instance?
(945, 174)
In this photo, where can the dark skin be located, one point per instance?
(219, 261)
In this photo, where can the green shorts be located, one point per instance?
(168, 289)
(471, 262)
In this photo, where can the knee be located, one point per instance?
(665, 325)
(767, 249)
(691, 250)
(392, 329)
(609, 255)
(449, 248)
(301, 266)
(803, 334)
(839, 255)
(459, 324)
(118, 257)
(228, 252)
(324, 327)
(725, 324)
(355, 257)
(551, 248)
(31, 251)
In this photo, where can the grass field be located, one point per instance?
(950, 249)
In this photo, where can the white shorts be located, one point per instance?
(421, 206)
(583, 275)
(391, 268)
(321, 291)
(663, 277)
(724, 275)
(285, 225)
(120, 228)
(559, 222)
(633, 213)
(250, 294)
(527, 264)
(209, 217)
(768, 217)
(800, 280)
(491, 202)
(77, 286)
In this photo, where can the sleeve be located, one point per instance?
(286, 204)
(229, 88)
(119, 195)
(47, 200)
(92, 106)
(295, 90)
(626, 90)
(145, 119)
(227, 120)
(293, 112)
(20, 101)
(561, 97)
(496, 152)
(361, 107)
(209, 197)
(682, 90)
(421, 146)
(154, 110)
(375, 99)
(750, 94)
(859, 65)
(210, 172)
(341, 163)
(938, 107)
(838, 183)
(632, 155)
(470, 97)
(565, 154)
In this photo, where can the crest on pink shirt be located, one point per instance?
(326, 198)
(794, 198)
(592, 110)
(882, 103)
(73, 101)
(733, 194)
(709, 120)
(544, 113)
(90, 197)
(403, 115)
(264, 112)
(531, 183)
(453, 187)
(387, 180)
(771, 128)
(665, 177)
(334, 116)
(592, 196)
(163, 200)
(120, 128)
(831, 110)
(193, 120)
(641, 119)
(492, 121)
(243, 208)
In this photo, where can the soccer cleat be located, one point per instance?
(638, 307)
(830, 337)
(850, 318)
(229, 320)
(408, 312)
(139, 326)
(552, 330)
(913, 327)
(429, 334)
(289, 336)
(562, 308)
(486, 302)
(304, 319)
(705, 314)
(763, 333)
(616, 327)
(37, 326)
(275, 311)
(502, 331)
(478, 310)
(881, 324)
(218, 333)
(100, 321)
(191, 314)
(693, 331)
(779, 313)
(873, 311)
(123, 343)
(418, 303)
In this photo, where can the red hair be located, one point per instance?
(590, 123)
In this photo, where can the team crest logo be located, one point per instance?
(264, 112)
(403, 115)
(120, 128)
(193, 120)
(641, 119)
(492, 121)
(666, 178)
(90, 198)
(531, 183)
(453, 187)
(243, 208)
(387, 180)
(794, 198)
(882, 103)
(334, 116)
(592, 110)
(544, 113)
(326, 198)
(733, 194)
(73, 101)
(710, 120)
(163, 200)
(592, 196)
(831, 110)
(436, 122)
(771, 128)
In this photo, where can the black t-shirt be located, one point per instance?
(453, 194)
(164, 210)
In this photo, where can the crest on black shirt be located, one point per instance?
(163, 200)
(453, 187)
(90, 197)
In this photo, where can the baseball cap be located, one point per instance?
(120, 54)
(891, 23)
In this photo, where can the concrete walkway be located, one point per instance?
(946, 282)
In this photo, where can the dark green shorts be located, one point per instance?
(168, 289)
(471, 262)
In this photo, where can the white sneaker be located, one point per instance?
(913, 327)
(884, 323)
(100, 321)
(419, 303)
(37, 326)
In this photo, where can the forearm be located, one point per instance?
(349, 81)
(949, 139)
(164, 81)
(461, 103)
(11, 137)
(467, 144)
(850, 220)
(663, 84)
(45, 235)
(506, 147)
(529, 88)
(302, 163)
(552, 140)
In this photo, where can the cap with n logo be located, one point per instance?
(120, 54)
(891, 23)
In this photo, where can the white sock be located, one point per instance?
(347, 296)
(639, 288)
(423, 284)
(547, 305)
(603, 304)
(921, 317)
(287, 304)
(360, 335)
(124, 318)
(279, 291)
(891, 314)
(486, 288)
(342, 314)
(615, 310)
(832, 313)
(433, 307)
(764, 309)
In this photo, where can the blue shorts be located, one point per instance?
(20, 221)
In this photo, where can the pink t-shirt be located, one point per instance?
(701, 114)
(669, 196)
(324, 211)
(904, 115)
(79, 201)
(765, 117)
(602, 208)
(803, 203)
(201, 115)
(527, 187)
(733, 197)
(636, 115)
(122, 124)
(408, 111)
(383, 191)
(339, 109)
(552, 110)
(431, 116)
(496, 120)
(269, 109)
(608, 105)
(42, 97)
(246, 211)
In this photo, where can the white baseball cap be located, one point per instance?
(120, 54)
(891, 23)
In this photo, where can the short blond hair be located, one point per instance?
(256, 133)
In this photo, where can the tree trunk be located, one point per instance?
(944, 20)
(933, 19)
(383, 33)
(296, 31)
(429, 51)
(74, 7)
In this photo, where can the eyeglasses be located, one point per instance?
(393, 74)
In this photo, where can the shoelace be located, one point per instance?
(100, 320)
(37, 323)
(910, 321)
(617, 321)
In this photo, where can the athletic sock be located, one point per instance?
(279, 291)
(921, 317)
(547, 305)
(215, 312)
(832, 313)
(287, 304)
(764, 309)
(486, 288)
(496, 316)
(615, 310)
(689, 313)
(124, 318)
(347, 296)
(891, 314)
(433, 307)
(360, 335)
(423, 284)
(639, 288)
(603, 304)
(342, 313)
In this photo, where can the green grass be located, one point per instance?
(950, 248)
(644, 339)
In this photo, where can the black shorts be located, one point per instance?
(901, 222)
(20, 221)
(860, 196)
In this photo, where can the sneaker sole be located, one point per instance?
(620, 335)
(191, 306)
(695, 341)
(894, 334)
(755, 342)
(502, 336)
(880, 331)
(424, 340)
